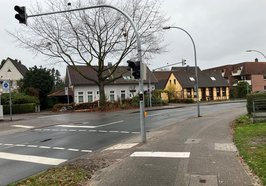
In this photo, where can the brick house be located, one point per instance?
(254, 73)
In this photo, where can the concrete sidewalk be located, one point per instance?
(196, 152)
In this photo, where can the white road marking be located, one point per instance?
(121, 146)
(9, 144)
(135, 132)
(113, 131)
(59, 148)
(161, 154)
(23, 126)
(104, 131)
(90, 126)
(82, 130)
(124, 132)
(86, 151)
(76, 150)
(44, 147)
(31, 159)
(50, 116)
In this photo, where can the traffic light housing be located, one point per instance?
(21, 15)
(135, 66)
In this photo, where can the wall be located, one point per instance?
(116, 88)
(258, 82)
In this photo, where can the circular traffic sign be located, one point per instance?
(5, 85)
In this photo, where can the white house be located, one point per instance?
(123, 88)
(12, 70)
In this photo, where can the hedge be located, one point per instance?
(19, 108)
(255, 96)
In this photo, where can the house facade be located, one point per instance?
(180, 84)
(12, 70)
(254, 73)
(122, 88)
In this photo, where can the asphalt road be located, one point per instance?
(72, 135)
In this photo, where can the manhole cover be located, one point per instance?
(203, 180)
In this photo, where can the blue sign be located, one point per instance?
(5, 85)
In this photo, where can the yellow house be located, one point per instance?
(180, 84)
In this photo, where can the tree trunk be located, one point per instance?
(102, 94)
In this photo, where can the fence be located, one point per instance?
(259, 110)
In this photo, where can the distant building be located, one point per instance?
(254, 73)
(123, 88)
(12, 70)
(181, 81)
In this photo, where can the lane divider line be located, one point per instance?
(84, 130)
(45, 147)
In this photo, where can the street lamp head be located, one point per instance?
(166, 27)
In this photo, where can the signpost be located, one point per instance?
(6, 87)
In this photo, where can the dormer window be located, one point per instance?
(191, 79)
(213, 78)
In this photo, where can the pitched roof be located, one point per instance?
(162, 77)
(61, 92)
(185, 76)
(74, 76)
(20, 67)
(247, 68)
(205, 79)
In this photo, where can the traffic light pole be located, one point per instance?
(141, 102)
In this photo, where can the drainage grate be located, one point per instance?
(203, 180)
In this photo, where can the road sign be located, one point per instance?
(5, 85)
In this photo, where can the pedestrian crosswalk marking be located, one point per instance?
(31, 159)
(161, 154)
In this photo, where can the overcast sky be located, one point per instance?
(222, 31)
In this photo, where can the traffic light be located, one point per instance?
(183, 62)
(135, 66)
(21, 15)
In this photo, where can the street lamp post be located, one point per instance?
(141, 103)
(257, 52)
(196, 66)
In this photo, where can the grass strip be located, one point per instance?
(250, 140)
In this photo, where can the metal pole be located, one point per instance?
(196, 66)
(150, 89)
(141, 102)
(10, 101)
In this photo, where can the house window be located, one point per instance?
(112, 95)
(189, 93)
(218, 93)
(123, 94)
(170, 81)
(175, 81)
(90, 96)
(264, 76)
(264, 87)
(80, 97)
(224, 91)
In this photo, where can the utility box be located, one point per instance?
(1, 112)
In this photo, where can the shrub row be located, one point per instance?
(19, 108)
(252, 97)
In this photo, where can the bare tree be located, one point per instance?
(94, 37)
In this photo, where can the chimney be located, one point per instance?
(256, 60)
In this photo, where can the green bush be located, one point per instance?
(19, 108)
(254, 96)
(81, 106)
(18, 98)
